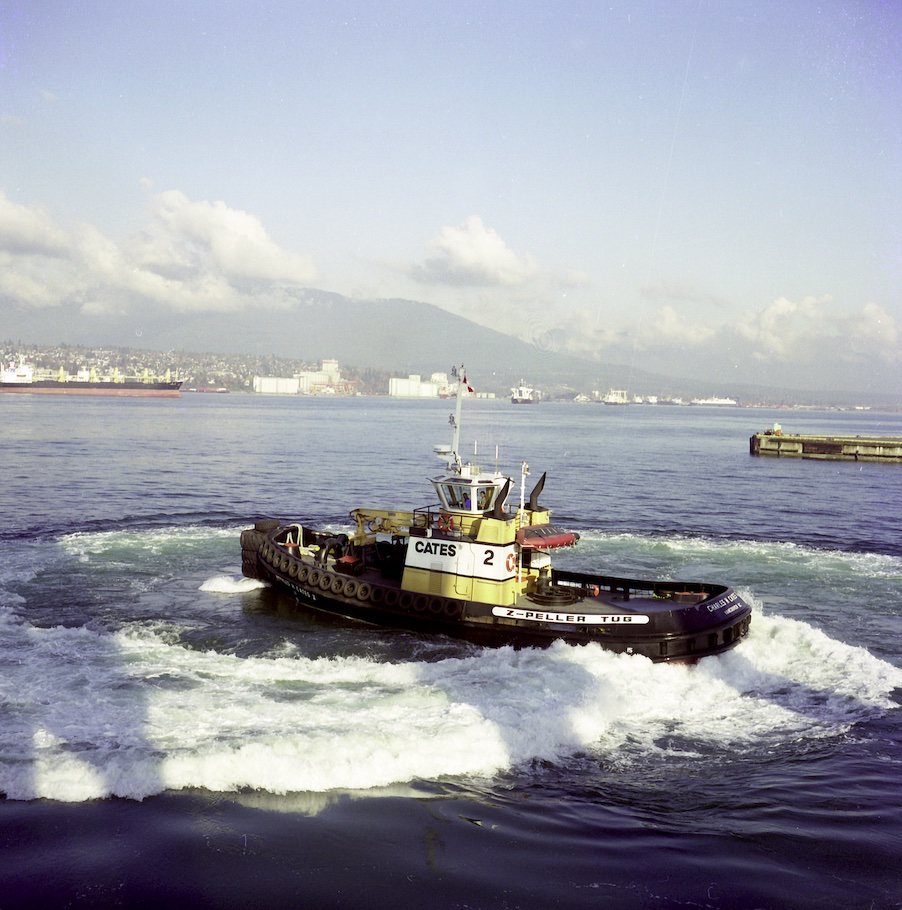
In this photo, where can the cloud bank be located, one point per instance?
(188, 256)
(195, 256)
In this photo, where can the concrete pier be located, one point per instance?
(775, 444)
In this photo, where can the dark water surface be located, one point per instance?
(171, 733)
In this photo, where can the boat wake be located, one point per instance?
(91, 714)
(118, 702)
(763, 557)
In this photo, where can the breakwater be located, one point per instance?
(837, 448)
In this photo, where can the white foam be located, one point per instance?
(231, 584)
(786, 555)
(142, 541)
(133, 713)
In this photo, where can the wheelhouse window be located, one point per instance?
(468, 497)
(485, 496)
(456, 496)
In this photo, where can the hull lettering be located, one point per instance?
(584, 619)
(436, 548)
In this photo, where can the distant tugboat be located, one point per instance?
(523, 394)
(473, 567)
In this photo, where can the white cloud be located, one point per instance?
(190, 256)
(664, 329)
(186, 238)
(22, 285)
(810, 343)
(807, 330)
(29, 231)
(786, 329)
(872, 331)
(474, 255)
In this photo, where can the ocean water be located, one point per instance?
(173, 733)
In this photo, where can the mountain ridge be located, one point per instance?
(398, 335)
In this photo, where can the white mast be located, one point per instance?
(455, 420)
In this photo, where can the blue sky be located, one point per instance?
(711, 181)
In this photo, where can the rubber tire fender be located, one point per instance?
(349, 587)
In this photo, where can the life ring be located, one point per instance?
(511, 562)
(445, 522)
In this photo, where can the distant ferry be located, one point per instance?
(716, 402)
(523, 394)
(20, 377)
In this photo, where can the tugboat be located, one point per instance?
(474, 567)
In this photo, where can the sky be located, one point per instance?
(714, 183)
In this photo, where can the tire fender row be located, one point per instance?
(344, 586)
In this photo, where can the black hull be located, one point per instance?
(710, 620)
(127, 389)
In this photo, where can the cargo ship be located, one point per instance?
(475, 566)
(524, 394)
(23, 378)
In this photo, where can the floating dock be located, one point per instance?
(775, 444)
